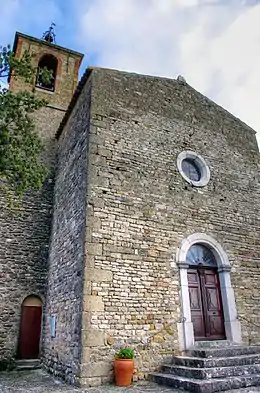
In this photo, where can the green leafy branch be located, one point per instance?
(21, 167)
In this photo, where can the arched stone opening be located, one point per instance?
(231, 323)
(30, 328)
(32, 300)
(50, 63)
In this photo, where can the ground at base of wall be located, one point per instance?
(38, 381)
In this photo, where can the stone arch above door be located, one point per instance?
(185, 326)
(33, 301)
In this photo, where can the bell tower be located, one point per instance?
(24, 241)
(64, 64)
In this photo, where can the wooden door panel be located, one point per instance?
(195, 300)
(205, 304)
(214, 314)
(196, 304)
(210, 277)
(198, 326)
(213, 305)
(30, 331)
(216, 327)
(193, 276)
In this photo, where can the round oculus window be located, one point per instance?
(193, 168)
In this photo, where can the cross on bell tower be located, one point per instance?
(49, 35)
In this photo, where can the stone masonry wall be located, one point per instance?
(24, 243)
(140, 209)
(24, 234)
(24, 246)
(66, 260)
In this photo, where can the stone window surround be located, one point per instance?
(200, 163)
(185, 326)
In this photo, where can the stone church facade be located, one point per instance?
(149, 235)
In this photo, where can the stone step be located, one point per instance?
(235, 350)
(215, 343)
(216, 362)
(205, 386)
(28, 364)
(211, 373)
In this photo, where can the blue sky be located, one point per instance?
(214, 44)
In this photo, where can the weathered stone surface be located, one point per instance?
(62, 354)
(221, 367)
(24, 246)
(99, 369)
(100, 275)
(40, 382)
(93, 337)
(93, 303)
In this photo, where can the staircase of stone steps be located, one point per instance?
(212, 367)
(28, 364)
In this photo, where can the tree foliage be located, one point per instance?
(21, 167)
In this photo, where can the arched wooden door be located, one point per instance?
(205, 296)
(30, 328)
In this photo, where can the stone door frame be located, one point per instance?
(185, 326)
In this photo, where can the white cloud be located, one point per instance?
(238, 56)
(215, 44)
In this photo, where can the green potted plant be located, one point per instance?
(124, 366)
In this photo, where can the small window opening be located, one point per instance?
(50, 63)
(191, 169)
(200, 255)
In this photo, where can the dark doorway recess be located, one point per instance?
(30, 329)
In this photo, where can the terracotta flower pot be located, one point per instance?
(123, 369)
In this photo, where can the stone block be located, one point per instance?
(100, 275)
(86, 320)
(89, 264)
(93, 303)
(93, 248)
(93, 338)
(90, 382)
(86, 352)
(87, 286)
(97, 369)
